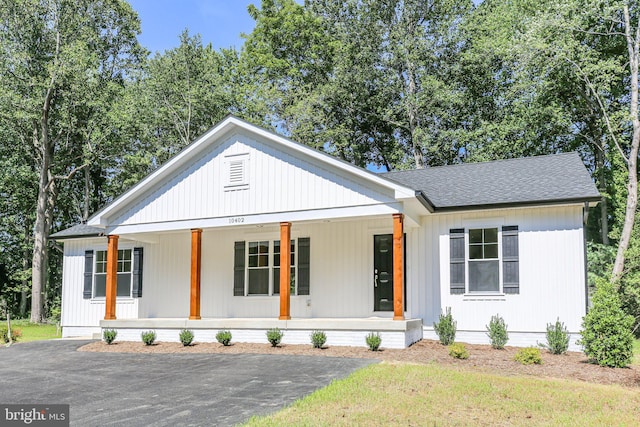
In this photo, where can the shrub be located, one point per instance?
(148, 337)
(446, 328)
(374, 340)
(224, 337)
(497, 332)
(529, 356)
(458, 351)
(557, 338)
(4, 334)
(274, 336)
(109, 335)
(318, 338)
(186, 337)
(606, 330)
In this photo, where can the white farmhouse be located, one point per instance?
(198, 244)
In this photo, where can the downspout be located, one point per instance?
(585, 218)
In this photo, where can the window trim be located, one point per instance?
(271, 266)
(468, 260)
(94, 273)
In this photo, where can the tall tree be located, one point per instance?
(60, 61)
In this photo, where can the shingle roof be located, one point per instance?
(548, 179)
(78, 230)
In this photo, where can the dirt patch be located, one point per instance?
(571, 365)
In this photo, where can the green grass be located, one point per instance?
(405, 394)
(33, 331)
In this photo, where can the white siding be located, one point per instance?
(277, 182)
(551, 270)
(78, 313)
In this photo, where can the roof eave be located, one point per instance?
(566, 201)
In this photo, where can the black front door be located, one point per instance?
(383, 272)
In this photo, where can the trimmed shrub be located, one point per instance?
(318, 338)
(458, 351)
(446, 328)
(109, 335)
(373, 340)
(274, 336)
(606, 330)
(224, 337)
(4, 334)
(557, 338)
(186, 337)
(529, 356)
(497, 332)
(148, 337)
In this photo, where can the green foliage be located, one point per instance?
(458, 351)
(109, 335)
(373, 340)
(446, 328)
(318, 338)
(606, 330)
(529, 356)
(148, 337)
(497, 332)
(224, 337)
(274, 336)
(557, 338)
(4, 334)
(186, 337)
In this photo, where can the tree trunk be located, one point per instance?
(40, 237)
(411, 115)
(602, 186)
(25, 283)
(633, 44)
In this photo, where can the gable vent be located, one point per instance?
(236, 173)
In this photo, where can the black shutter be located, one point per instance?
(456, 260)
(88, 274)
(510, 264)
(303, 265)
(238, 269)
(137, 272)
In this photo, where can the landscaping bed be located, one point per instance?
(572, 365)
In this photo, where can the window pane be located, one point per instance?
(292, 291)
(491, 235)
(253, 260)
(100, 289)
(253, 247)
(101, 256)
(276, 281)
(475, 236)
(483, 276)
(124, 285)
(263, 247)
(475, 252)
(491, 250)
(259, 281)
(263, 260)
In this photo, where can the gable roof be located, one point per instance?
(551, 179)
(77, 231)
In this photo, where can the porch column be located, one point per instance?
(285, 270)
(398, 266)
(196, 261)
(112, 277)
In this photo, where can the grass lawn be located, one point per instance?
(413, 395)
(33, 331)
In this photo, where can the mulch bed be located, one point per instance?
(572, 365)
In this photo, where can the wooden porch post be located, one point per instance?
(285, 270)
(112, 277)
(398, 266)
(196, 261)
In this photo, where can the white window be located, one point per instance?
(263, 271)
(124, 274)
(484, 263)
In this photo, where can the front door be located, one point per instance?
(383, 272)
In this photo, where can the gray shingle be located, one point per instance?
(78, 230)
(533, 180)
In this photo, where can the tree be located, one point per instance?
(61, 63)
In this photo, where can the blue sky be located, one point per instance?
(219, 22)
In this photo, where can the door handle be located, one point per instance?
(375, 278)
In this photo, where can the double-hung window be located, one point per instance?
(257, 267)
(484, 260)
(124, 273)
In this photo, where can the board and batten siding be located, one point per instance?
(276, 182)
(81, 317)
(551, 258)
